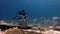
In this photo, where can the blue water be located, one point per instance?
(33, 8)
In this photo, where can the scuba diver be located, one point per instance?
(21, 18)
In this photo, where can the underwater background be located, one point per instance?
(33, 8)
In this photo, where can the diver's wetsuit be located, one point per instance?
(22, 13)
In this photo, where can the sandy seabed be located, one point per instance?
(29, 31)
